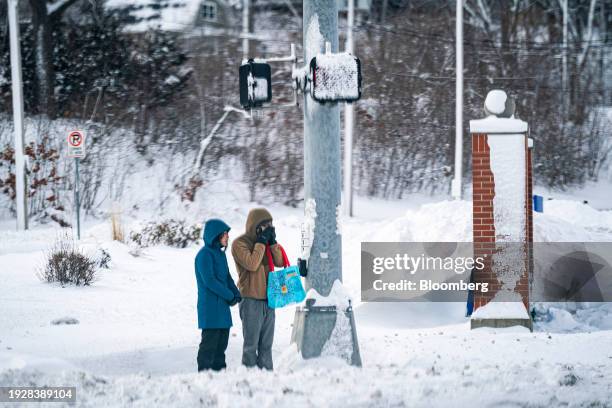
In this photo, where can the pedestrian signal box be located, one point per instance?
(255, 80)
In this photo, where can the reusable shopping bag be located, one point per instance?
(284, 286)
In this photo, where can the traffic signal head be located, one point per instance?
(255, 80)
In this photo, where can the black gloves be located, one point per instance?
(265, 235)
(303, 267)
(235, 300)
(262, 238)
(272, 239)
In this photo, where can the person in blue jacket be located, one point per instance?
(216, 293)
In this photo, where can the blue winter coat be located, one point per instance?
(216, 288)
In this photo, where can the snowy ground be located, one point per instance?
(136, 340)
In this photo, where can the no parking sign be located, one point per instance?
(76, 144)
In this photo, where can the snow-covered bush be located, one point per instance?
(169, 232)
(66, 264)
(44, 181)
(103, 259)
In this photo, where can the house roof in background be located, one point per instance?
(177, 15)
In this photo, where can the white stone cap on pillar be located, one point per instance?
(493, 124)
(499, 109)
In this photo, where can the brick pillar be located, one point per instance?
(483, 221)
(501, 166)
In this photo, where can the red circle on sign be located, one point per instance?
(75, 139)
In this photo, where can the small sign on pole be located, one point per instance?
(76, 149)
(76, 144)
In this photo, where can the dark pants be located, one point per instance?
(211, 354)
(258, 332)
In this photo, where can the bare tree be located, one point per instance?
(45, 16)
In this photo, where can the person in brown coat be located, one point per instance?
(253, 252)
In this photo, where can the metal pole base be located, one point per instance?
(319, 330)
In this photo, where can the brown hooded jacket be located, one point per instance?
(250, 257)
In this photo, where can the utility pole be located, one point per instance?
(245, 28)
(564, 78)
(322, 181)
(456, 184)
(314, 328)
(17, 87)
(252, 131)
(349, 122)
(603, 50)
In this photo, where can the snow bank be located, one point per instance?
(445, 221)
(572, 221)
(580, 214)
(22, 361)
(420, 369)
(549, 228)
(573, 318)
(291, 360)
(501, 310)
(410, 315)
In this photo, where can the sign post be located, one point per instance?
(76, 149)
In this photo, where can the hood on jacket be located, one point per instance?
(256, 216)
(212, 229)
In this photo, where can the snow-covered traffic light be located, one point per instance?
(255, 84)
(335, 77)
